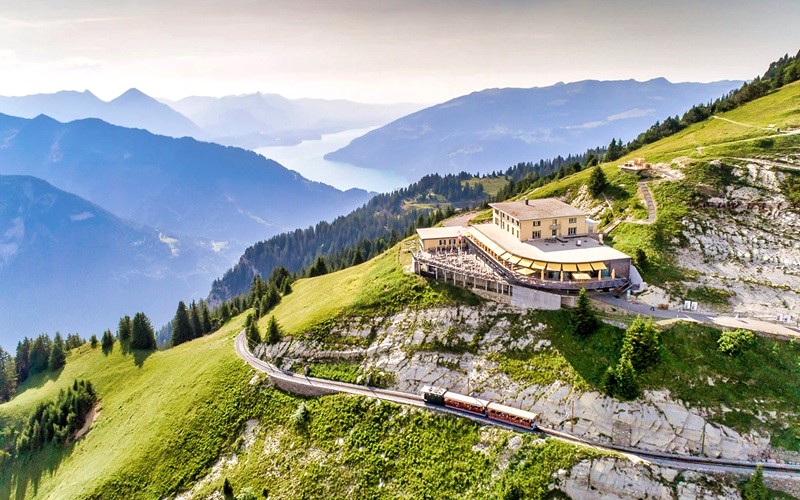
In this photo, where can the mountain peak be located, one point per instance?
(132, 94)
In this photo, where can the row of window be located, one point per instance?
(447, 242)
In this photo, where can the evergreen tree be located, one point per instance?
(614, 151)
(626, 385)
(124, 330)
(181, 328)
(8, 376)
(227, 490)
(93, 341)
(23, 360)
(205, 317)
(584, 316)
(57, 357)
(597, 182)
(591, 160)
(108, 341)
(40, 353)
(755, 488)
(251, 332)
(287, 288)
(358, 257)
(142, 334)
(273, 331)
(194, 320)
(319, 268)
(641, 344)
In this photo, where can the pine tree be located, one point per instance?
(358, 257)
(205, 317)
(252, 334)
(142, 334)
(181, 328)
(584, 316)
(40, 353)
(22, 360)
(108, 341)
(194, 321)
(287, 288)
(319, 268)
(597, 182)
(755, 488)
(273, 331)
(57, 358)
(8, 376)
(614, 151)
(124, 330)
(627, 387)
(641, 344)
(93, 341)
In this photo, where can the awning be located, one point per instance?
(538, 265)
(598, 266)
(585, 268)
(570, 268)
(553, 267)
(486, 242)
(525, 262)
(514, 259)
(526, 272)
(506, 256)
(581, 276)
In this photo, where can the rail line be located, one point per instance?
(686, 462)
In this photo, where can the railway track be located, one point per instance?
(684, 462)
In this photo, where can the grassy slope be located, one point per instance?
(167, 417)
(376, 286)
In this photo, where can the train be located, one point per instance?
(489, 409)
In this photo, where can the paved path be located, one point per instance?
(682, 462)
(648, 200)
(767, 328)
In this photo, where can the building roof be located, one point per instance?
(541, 251)
(436, 233)
(538, 209)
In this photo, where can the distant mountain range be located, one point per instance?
(131, 109)
(66, 263)
(258, 120)
(180, 186)
(248, 120)
(496, 128)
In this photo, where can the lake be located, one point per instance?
(307, 159)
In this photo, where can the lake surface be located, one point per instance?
(307, 158)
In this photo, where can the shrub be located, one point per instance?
(755, 489)
(735, 342)
(620, 381)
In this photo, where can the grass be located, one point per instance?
(379, 286)
(163, 420)
(491, 185)
(358, 448)
(167, 420)
(742, 390)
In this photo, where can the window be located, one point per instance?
(555, 232)
(572, 231)
(441, 242)
(573, 220)
(537, 223)
(536, 235)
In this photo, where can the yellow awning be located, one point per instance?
(570, 268)
(505, 256)
(525, 262)
(538, 265)
(553, 267)
(581, 276)
(526, 272)
(514, 259)
(584, 268)
(599, 266)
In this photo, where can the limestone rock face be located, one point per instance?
(611, 478)
(456, 348)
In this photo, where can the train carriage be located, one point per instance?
(465, 403)
(511, 415)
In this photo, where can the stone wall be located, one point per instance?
(528, 298)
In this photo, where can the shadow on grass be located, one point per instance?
(38, 380)
(27, 471)
(588, 357)
(139, 356)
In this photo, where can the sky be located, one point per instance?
(422, 51)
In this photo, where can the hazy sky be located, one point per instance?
(380, 51)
